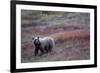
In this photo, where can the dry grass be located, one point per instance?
(71, 35)
(70, 30)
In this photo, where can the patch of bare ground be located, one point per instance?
(70, 45)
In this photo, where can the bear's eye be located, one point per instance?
(35, 41)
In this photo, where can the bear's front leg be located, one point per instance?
(36, 51)
(41, 51)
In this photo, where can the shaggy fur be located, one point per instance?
(44, 45)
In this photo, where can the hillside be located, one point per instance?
(70, 30)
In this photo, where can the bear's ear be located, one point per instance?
(38, 37)
(32, 37)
